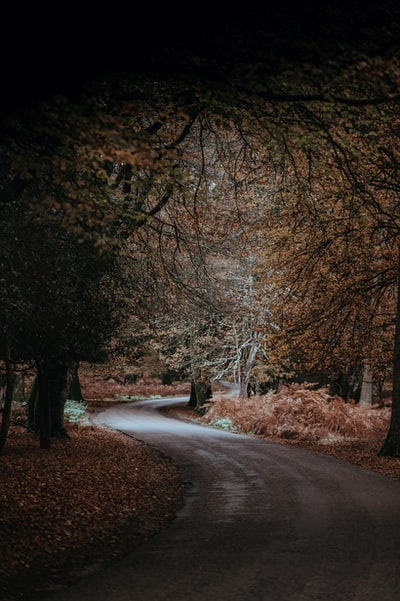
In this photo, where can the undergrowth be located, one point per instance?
(112, 386)
(76, 412)
(298, 412)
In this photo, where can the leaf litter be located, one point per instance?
(87, 500)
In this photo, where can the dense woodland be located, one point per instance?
(232, 211)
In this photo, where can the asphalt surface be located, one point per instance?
(261, 521)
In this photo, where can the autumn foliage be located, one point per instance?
(99, 388)
(300, 413)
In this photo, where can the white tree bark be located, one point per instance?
(366, 388)
(250, 364)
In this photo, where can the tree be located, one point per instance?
(74, 200)
(57, 305)
(333, 245)
(8, 396)
(391, 445)
(128, 154)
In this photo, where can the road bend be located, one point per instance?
(261, 521)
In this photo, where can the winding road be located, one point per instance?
(261, 521)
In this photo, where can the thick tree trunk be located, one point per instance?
(63, 375)
(43, 404)
(8, 397)
(66, 386)
(192, 399)
(48, 396)
(75, 391)
(32, 405)
(391, 446)
(200, 393)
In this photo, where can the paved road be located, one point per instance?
(261, 522)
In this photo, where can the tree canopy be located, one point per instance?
(264, 143)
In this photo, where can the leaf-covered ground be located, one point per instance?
(87, 500)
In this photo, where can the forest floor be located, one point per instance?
(92, 497)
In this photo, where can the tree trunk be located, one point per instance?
(75, 391)
(63, 374)
(366, 387)
(192, 399)
(43, 403)
(251, 359)
(391, 446)
(67, 387)
(8, 397)
(32, 405)
(48, 397)
(199, 394)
